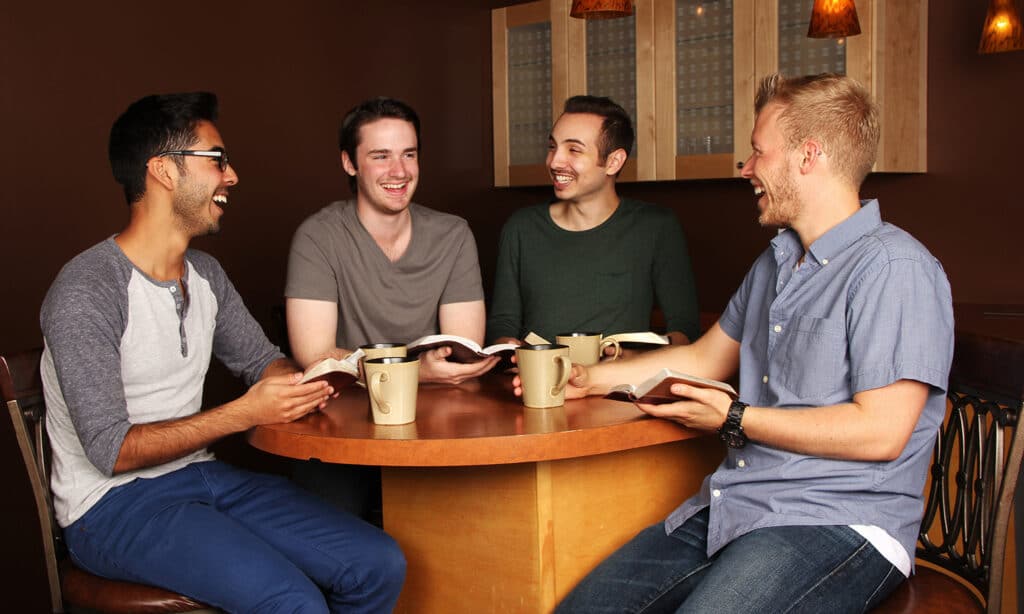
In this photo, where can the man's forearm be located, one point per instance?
(147, 445)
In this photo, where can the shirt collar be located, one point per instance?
(833, 242)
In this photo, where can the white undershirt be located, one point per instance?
(886, 545)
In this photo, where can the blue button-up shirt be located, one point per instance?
(868, 306)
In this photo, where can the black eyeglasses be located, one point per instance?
(216, 152)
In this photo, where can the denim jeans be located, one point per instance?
(240, 541)
(781, 569)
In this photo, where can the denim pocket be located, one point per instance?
(813, 355)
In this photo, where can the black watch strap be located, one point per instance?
(731, 431)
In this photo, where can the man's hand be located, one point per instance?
(702, 409)
(435, 368)
(280, 398)
(577, 387)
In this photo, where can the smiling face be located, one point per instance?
(574, 159)
(202, 189)
(771, 169)
(386, 166)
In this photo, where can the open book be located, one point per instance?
(337, 373)
(657, 389)
(637, 339)
(463, 350)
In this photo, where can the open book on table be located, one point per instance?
(635, 340)
(337, 373)
(463, 349)
(656, 390)
(638, 340)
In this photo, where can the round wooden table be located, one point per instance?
(500, 507)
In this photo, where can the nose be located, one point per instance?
(397, 167)
(230, 176)
(555, 157)
(747, 170)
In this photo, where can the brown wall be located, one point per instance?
(285, 76)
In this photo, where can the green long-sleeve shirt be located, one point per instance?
(607, 279)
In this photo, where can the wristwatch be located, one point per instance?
(731, 432)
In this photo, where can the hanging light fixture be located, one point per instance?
(833, 19)
(601, 9)
(1002, 30)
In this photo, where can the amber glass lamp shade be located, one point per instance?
(1002, 30)
(601, 9)
(833, 19)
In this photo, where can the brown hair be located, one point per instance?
(834, 110)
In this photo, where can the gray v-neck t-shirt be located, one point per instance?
(334, 258)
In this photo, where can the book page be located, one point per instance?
(337, 373)
(463, 350)
(646, 338)
(656, 390)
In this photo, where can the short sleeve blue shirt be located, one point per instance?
(868, 306)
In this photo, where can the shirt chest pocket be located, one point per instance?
(812, 357)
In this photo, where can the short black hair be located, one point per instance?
(370, 111)
(152, 125)
(616, 126)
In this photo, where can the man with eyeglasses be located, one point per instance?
(129, 326)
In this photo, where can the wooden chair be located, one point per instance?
(70, 587)
(973, 479)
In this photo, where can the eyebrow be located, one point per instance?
(387, 151)
(551, 137)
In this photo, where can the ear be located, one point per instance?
(615, 161)
(346, 163)
(811, 155)
(163, 171)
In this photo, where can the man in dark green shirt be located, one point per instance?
(590, 261)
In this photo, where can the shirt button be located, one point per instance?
(824, 260)
(741, 463)
(172, 289)
(764, 379)
(777, 328)
(716, 493)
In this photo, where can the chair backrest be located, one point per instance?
(22, 390)
(976, 464)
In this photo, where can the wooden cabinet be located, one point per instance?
(687, 71)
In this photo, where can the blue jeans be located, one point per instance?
(240, 541)
(781, 569)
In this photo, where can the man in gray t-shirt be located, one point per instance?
(380, 268)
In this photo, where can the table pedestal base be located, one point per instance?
(518, 538)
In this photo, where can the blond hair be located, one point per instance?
(833, 110)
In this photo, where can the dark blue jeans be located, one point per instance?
(783, 569)
(240, 541)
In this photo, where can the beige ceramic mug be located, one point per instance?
(587, 348)
(543, 370)
(379, 350)
(393, 382)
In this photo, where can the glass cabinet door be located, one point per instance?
(800, 55)
(619, 63)
(522, 66)
(712, 53)
(529, 92)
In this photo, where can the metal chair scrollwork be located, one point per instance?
(976, 465)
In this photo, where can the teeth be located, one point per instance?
(563, 178)
(758, 190)
(393, 186)
(220, 199)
